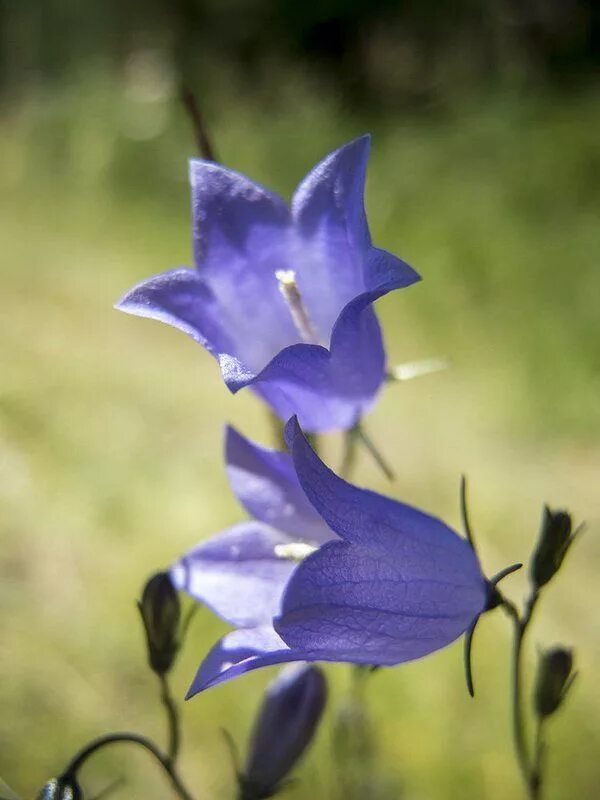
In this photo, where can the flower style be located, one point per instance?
(241, 572)
(282, 296)
(397, 585)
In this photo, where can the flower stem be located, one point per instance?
(538, 758)
(520, 626)
(172, 719)
(94, 746)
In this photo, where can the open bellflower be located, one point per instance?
(241, 572)
(282, 295)
(396, 585)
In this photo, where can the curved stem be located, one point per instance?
(80, 758)
(172, 718)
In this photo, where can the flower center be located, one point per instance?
(294, 551)
(286, 278)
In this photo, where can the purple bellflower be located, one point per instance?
(395, 586)
(282, 295)
(241, 572)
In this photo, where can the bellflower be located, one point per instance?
(241, 572)
(282, 295)
(397, 584)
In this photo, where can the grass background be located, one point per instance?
(111, 427)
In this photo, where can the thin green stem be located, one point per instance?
(172, 719)
(94, 746)
(520, 626)
(538, 760)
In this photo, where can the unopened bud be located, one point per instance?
(554, 678)
(160, 609)
(59, 789)
(286, 723)
(554, 540)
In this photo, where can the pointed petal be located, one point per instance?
(237, 573)
(265, 483)
(182, 299)
(240, 652)
(336, 261)
(363, 600)
(241, 239)
(365, 517)
(232, 214)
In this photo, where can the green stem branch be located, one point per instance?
(146, 744)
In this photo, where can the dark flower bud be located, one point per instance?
(161, 613)
(555, 538)
(286, 723)
(554, 678)
(59, 789)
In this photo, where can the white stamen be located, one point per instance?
(294, 551)
(291, 294)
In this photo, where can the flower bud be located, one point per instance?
(161, 612)
(285, 725)
(553, 680)
(554, 540)
(57, 789)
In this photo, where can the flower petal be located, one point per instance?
(336, 261)
(329, 389)
(232, 214)
(240, 652)
(237, 573)
(182, 299)
(241, 239)
(365, 600)
(365, 517)
(265, 483)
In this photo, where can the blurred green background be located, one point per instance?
(484, 176)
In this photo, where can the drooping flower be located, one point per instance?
(241, 572)
(282, 296)
(397, 585)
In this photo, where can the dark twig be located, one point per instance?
(203, 142)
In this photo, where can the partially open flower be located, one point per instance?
(286, 724)
(282, 295)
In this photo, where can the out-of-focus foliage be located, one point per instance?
(375, 52)
(110, 427)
